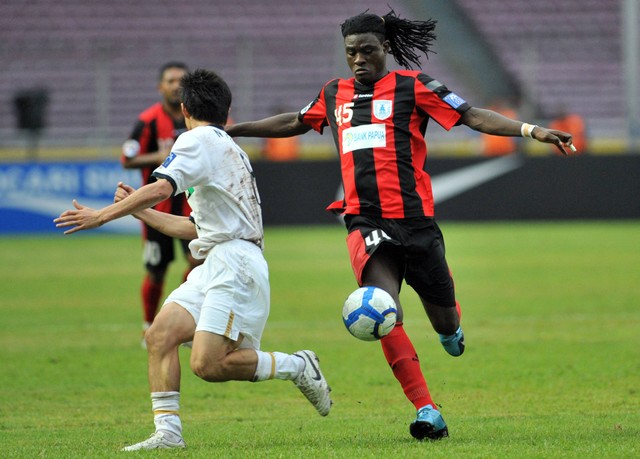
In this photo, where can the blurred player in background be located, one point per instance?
(224, 304)
(280, 149)
(378, 120)
(149, 144)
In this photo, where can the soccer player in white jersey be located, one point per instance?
(224, 304)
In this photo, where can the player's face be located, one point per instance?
(169, 86)
(366, 56)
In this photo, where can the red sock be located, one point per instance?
(151, 293)
(402, 357)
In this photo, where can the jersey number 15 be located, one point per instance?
(344, 113)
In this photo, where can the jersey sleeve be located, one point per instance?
(438, 102)
(137, 141)
(140, 129)
(183, 167)
(315, 114)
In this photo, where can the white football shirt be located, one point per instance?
(215, 173)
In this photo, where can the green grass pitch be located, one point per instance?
(551, 313)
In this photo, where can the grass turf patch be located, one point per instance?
(550, 317)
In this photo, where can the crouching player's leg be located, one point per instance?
(173, 326)
(235, 309)
(223, 307)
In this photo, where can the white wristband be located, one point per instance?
(526, 129)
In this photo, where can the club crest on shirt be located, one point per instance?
(382, 109)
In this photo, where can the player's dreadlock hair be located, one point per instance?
(404, 36)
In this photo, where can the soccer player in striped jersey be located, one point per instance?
(378, 119)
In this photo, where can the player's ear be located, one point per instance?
(185, 112)
(386, 46)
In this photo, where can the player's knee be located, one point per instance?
(208, 370)
(153, 341)
(159, 339)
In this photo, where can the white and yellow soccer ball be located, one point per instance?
(369, 313)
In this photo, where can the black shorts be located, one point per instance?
(416, 242)
(159, 249)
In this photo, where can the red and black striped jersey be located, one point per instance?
(379, 133)
(154, 125)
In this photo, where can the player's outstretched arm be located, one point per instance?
(83, 218)
(169, 224)
(283, 125)
(490, 122)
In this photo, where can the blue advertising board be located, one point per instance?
(33, 194)
(297, 192)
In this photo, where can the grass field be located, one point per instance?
(552, 368)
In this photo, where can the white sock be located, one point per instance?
(165, 407)
(277, 365)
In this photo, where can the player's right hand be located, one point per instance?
(122, 191)
(80, 218)
(560, 139)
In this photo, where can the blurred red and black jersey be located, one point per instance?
(379, 133)
(156, 124)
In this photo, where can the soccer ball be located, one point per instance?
(369, 313)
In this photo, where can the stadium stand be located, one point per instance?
(99, 59)
(564, 53)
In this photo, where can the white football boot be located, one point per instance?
(158, 440)
(312, 384)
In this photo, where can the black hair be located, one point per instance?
(171, 65)
(206, 96)
(403, 35)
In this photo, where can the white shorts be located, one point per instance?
(229, 293)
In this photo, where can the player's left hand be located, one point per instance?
(559, 138)
(80, 218)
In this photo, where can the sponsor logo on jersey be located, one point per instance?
(362, 96)
(454, 100)
(367, 136)
(170, 158)
(382, 109)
